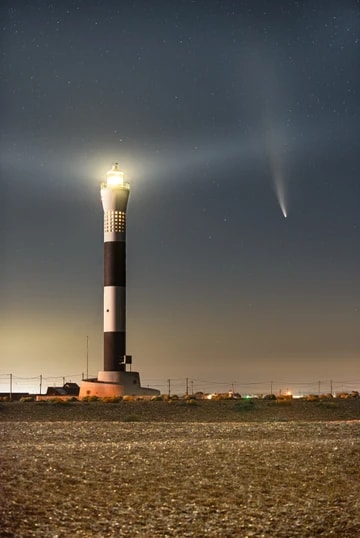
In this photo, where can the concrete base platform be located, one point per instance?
(114, 384)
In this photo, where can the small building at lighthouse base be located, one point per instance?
(115, 384)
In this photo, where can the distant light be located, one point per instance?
(115, 177)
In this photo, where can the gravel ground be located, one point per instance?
(179, 479)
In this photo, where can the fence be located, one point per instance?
(10, 383)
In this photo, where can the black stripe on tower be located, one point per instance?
(114, 351)
(114, 263)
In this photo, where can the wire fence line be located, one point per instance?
(188, 385)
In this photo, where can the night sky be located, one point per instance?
(223, 115)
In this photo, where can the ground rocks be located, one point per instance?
(69, 478)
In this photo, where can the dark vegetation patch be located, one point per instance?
(182, 410)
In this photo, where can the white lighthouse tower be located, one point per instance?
(115, 379)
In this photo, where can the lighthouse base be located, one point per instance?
(115, 384)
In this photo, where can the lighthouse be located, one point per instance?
(116, 378)
(114, 196)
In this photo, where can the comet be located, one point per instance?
(280, 193)
(275, 151)
(277, 172)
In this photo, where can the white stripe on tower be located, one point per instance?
(114, 314)
(114, 196)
